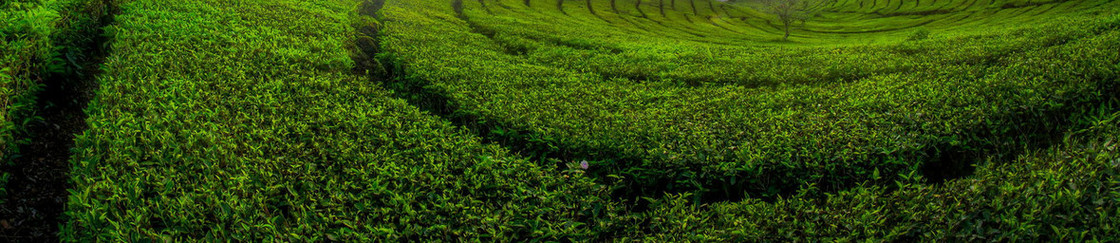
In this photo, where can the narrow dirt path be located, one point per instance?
(37, 189)
(40, 177)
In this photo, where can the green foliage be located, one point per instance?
(247, 125)
(245, 121)
(680, 115)
(1064, 193)
(920, 34)
(25, 53)
(35, 38)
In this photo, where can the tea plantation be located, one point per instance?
(563, 120)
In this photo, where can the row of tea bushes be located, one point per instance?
(1070, 192)
(609, 50)
(740, 24)
(730, 140)
(222, 120)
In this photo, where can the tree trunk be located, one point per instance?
(614, 7)
(712, 7)
(560, 6)
(527, 4)
(673, 4)
(589, 8)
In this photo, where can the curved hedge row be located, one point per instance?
(583, 44)
(241, 120)
(1065, 193)
(740, 24)
(729, 140)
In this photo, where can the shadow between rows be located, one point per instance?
(40, 174)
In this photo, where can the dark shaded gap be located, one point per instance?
(638, 6)
(367, 45)
(686, 30)
(1053, 7)
(591, 9)
(969, 6)
(961, 20)
(503, 5)
(37, 191)
(635, 24)
(1026, 10)
(950, 163)
(457, 5)
(560, 6)
(371, 7)
(661, 7)
(691, 31)
(600, 17)
(460, 9)
(693, 4)
(644, 16)
(725, 12)
(948, 5)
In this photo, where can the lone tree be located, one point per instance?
(789, 11)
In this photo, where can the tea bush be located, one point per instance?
(248, 125)
(320, 120)
(906, 105)
(26, 51)
(1064, 193)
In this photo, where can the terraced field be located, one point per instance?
(567, 120)
(680, 115)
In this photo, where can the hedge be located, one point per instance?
(729, 141)
(243, 120)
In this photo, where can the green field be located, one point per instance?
(573, 120)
